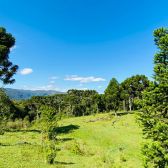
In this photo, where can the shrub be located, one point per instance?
(51, 132)
(26, 122)
(1, 131)
(18, 123)
(50, 152)
(76, 148)
(10, 125)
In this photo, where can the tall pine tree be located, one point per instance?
(154, 112)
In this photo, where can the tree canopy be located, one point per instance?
(7, 69)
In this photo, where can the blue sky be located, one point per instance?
(72, 44)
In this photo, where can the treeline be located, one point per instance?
(117, 96)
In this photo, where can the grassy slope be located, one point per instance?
(102, 144)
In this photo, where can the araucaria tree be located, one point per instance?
(7, 69)
(154, 112)
(112, 94)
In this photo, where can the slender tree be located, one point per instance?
(7, 69)
(112, 93)
(97, 100)
(154, 112)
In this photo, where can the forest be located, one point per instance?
(136, 96)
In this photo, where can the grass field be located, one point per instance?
(80, 144)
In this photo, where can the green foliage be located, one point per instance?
(122, 158)
(49, 119)
(26, 122)
(133, 88)
(154, 112)
(76, 148)
(2, 131)
(17, 124)
(138, 103)
(112, 93)
(7, 70)
(50, 152)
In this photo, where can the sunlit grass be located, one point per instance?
(80, 144)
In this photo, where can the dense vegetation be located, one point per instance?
(148, 99)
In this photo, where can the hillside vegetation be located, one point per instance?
(108, 142)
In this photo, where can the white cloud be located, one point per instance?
(80, 85)
(83, 89)
(53, 77)
(49, 87)
(99, 86)
(14, 47)
(83, 80)
(26, 71)
(61, 90)
(52, 82)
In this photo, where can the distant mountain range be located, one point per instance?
(18, 94)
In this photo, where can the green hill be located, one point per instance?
(18, 94)
(80, 143)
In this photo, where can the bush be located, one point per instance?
(17, 124)
(10, 125)
(26, 122)
(50, 152)
(77, 149)
(1, 131)
(51, 132)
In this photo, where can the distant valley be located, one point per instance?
(18, 94)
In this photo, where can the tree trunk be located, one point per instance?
(130, 103)
(72, 111)
(85, 110)
(124, 105)
(59, 111)
(97, 109)
(115, 111)
(37, 115)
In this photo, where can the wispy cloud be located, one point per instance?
(26, 71)
(80, 85)
(44, 87)
(52, 82)
(53, 77)
(83, 89)
(99, 86)
(83, 80)
(48, 87)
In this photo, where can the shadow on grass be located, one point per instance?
(63, 163)
(1, 144)
(38, 131)
(120, 113)
(64, 139)
(67, 129)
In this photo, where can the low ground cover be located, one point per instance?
(108, 142)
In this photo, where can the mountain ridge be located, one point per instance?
(18, 94)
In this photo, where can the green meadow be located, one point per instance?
(81, 142)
